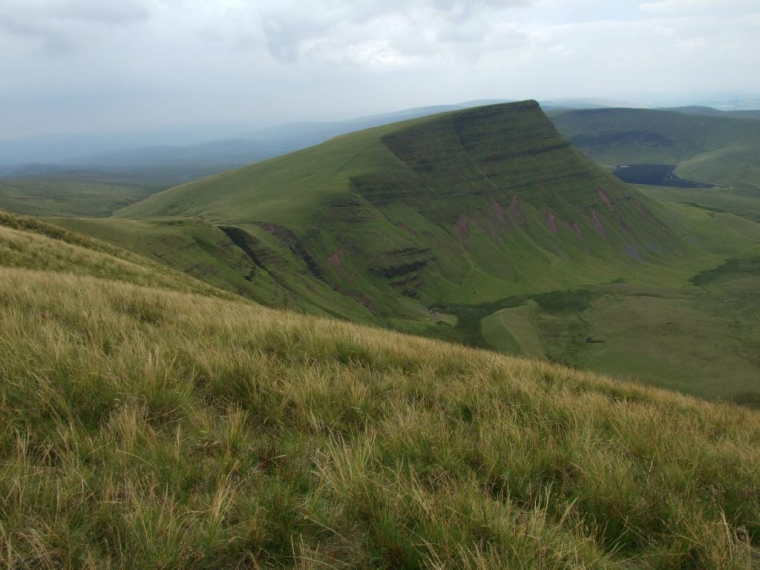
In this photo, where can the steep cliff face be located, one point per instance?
(462, 207)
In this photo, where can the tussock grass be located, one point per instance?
(147, 428)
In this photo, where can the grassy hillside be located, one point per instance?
(214, 254)
(462, 207)
(697, 336)
(26, 242)
(710, 149)
(450, 226)
(715, 200)
(152, 428)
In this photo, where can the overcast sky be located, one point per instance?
(98, 65)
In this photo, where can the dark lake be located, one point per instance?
(655, 175)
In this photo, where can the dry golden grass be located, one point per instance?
(147, 428)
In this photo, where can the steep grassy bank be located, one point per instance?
(27, 242)
(146, 427)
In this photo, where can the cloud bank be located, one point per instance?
(82, 65)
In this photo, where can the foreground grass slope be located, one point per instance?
(153, 428)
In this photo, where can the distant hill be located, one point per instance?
(711, 112)
(710, 149)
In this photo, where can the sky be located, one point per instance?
(78, 66)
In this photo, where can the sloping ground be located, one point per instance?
(225, 257)
(145, 427)
(27, 242)
(737, 168)
(464, 207)
(706, 148)
(148, 428)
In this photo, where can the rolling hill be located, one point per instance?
(150, 420)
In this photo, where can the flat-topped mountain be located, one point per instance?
(462, 207)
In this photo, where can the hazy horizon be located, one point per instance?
(84, 66)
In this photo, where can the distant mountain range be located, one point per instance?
(115, 159)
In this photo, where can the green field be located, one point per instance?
(148, 420)
(70, 197)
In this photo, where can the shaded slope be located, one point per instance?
(466, 207)
(226, 257)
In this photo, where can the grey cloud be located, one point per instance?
(140, 63)
(60, 24)
(322, 29)
(113, 13)
(54, 42)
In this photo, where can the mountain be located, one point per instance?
(469, 206)
(103, 158)
(481, 226)
(95, 175)
(153, 421)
